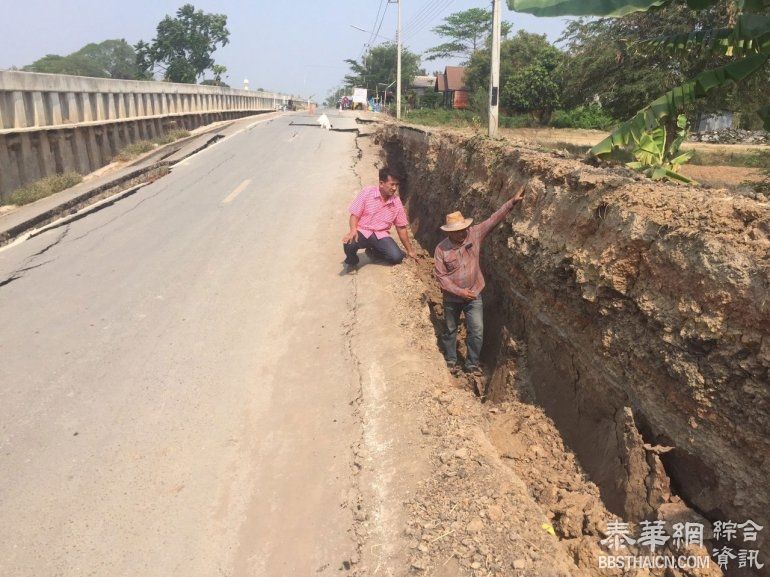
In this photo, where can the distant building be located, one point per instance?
(707, 122)
(422, 84)
(452, 84)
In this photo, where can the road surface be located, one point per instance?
(177, 393)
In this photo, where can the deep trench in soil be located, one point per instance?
(588, 414)
(531, 354)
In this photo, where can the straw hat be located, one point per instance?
(456, 221)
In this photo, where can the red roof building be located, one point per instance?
(452, 84)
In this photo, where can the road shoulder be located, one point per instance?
(436, 497)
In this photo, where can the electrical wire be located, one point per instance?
(376, 33)
(417, 28)
(421, 20)
(373, 35)
(420, 15)
(382, 19)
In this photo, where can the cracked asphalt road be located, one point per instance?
(174, 401)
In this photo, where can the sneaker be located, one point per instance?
(453, 368)
(474, 370)
(350, 268)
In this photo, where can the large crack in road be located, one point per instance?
(27, 266)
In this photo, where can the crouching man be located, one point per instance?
(459, 274)
(372, 213)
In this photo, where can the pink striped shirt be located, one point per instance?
(376, 215)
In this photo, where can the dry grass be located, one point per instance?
(172, 136)
(736, 157)
(131, 151)
(43, 188)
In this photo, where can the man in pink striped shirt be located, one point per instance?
(372, 213)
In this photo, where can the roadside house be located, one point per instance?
(422, 84)
(452, 84)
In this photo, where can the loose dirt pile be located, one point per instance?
(634, 316)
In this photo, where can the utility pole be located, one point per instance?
(494, 76)
(398, 60)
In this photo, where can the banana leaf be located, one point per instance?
(583, 7)
(659, 173)
(750, 34)
(682, 158)
(616, 7)
(598, 7)
(649, 147)
(649, 117)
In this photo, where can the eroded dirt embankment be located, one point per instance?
(642, 308)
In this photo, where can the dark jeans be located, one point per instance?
(474, 324)
(384, 248)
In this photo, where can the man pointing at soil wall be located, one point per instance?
(458, 272)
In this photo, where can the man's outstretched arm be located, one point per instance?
(486, 227)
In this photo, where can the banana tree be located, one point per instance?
(656, 157)
(747, 42)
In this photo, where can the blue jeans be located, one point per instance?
(474, 324)
(384, 248)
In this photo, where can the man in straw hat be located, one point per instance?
(459, 274)
(372, 213)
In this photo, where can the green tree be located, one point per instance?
(212, 82)
(115, 57)
(533, 90)
(466, 32)
(377, 68)
(108, 59)
(606, 64)
(183, 46)
(430, 99)
(601, 69)
(56, 64)
(218, 71)
(744, 42)
(523, 50)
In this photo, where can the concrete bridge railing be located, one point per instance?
(52, 123)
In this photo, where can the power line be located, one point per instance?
(382, 19)
(416, 29)
(421, 14)
(373, 35)
(422, 20)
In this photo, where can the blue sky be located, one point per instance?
(293, 46)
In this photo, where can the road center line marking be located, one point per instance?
(241, 187)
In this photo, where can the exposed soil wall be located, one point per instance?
(642, 311)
